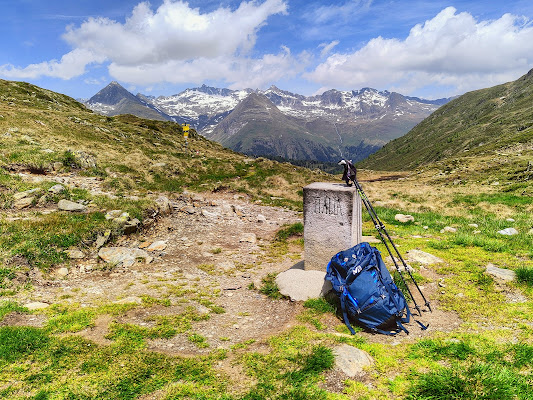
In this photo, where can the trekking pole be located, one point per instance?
(380, 227)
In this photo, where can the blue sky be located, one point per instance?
(429, 49)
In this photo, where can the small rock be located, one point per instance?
(27, 193)
(103, 238)
(510, 220)
(301, 285)
(189, 210)
(131, 226)
(261, 218)
(473, 225)
(163, 205)
(210, 215)
(57, 166)
(508, 232)
(144, 245)
(113, 214)
(238, 210)
(476, 232)
(23, 203)
(370, 239)
(448, 229)
(36, 305)
(62, 272)
(123, 256)
(248, 238)
(67, 205)
(56, 189)
(423, 257)
(530, 232)
(75, 254)
(501, 273)
(351, 360)
(157, 246)
(404, 218)
(42, 201)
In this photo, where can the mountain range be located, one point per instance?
(278, 123)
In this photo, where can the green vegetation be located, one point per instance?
(485, 121)
(481, 347)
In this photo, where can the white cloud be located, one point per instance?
(153, 42)
(327, 47)
(71, 65)
(450, 50)
(238, 72)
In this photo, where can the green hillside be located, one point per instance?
(129, 154)
(477, 123)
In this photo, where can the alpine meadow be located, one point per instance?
(137, 263)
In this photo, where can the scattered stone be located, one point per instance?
(476, 232)
(370, 239)
(404, 218)
(425, 227)
(248, 238)
(163, 205)
(123, 256)
(57, 166)
(56, 189)
(23, 203)
(103, 238)
(28, 193)
(510, 220)
(159, 165)
(62, 272)
(423, 258)
(448, 229)
(508, 232)
(473, 225)
(67, 205)
(144, 245)
(75, 254)
(36, 305)
(301, 285)
(500, 273)
(189, 210)
(42, 201)
(131, 226)
(238, 210)
(530, 232)
(351, 360)
(157, 246)
(113, 214)
(210, 215)
(261, 218)
(84, 160)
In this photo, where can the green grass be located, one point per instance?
(475, 369)
(269, 287)
(525, 275)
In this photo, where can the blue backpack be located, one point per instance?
(366, 291)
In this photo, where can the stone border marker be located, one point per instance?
(332, 222)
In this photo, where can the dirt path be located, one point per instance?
(216, 248)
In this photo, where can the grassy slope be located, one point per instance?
(478, 122)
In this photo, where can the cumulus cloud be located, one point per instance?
(71, 65)
(172, 40)
(239, 72)
(450, 50)
(327, 47)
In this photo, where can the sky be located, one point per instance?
(430, 49)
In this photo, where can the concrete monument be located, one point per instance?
(332, 222)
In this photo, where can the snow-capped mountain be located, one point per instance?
(346, 124)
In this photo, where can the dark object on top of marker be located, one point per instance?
(350, 173)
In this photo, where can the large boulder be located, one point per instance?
(123, 256)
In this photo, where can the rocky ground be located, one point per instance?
(212, 249)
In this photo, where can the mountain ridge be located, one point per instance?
(335, 124)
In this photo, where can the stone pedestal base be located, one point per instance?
(332, 222)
